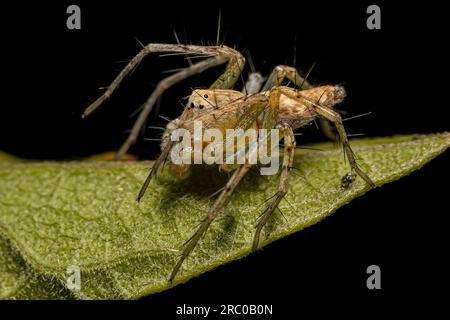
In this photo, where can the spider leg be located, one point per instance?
(282, 72)
(258, 103)
(212, 51)
(216, 55)
(334, 117)
(288, 158)
(180, 171)
(213, 212)
(161, 159)
(162, 86)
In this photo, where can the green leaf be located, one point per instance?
(54, 215)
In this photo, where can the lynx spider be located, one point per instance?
(263, 104)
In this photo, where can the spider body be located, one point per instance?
(260, 105)
(221, 110)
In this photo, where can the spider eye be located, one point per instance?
(205, 96)
(191, 105)
(201, 106)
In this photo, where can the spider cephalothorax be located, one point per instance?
(261, 105)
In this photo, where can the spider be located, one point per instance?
(262, 104)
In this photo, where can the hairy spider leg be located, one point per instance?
(335, 118)
(282, 72)
(288, 159)
(248, 105)
(215, 55)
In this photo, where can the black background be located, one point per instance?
(50, 74)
